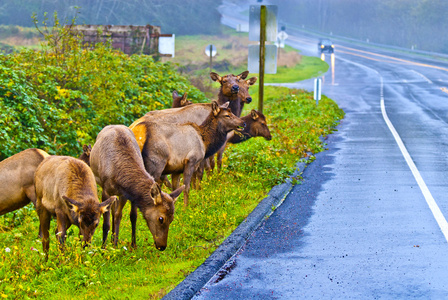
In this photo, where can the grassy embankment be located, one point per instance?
(250, 170)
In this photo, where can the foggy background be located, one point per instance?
(418, 24)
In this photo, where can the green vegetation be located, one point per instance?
(61, 97)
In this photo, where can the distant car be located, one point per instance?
(325, 46)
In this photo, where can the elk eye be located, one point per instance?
(161, 220)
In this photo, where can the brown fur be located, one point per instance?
(118, 166)
(178, 148)
(66, 188)
(180, 101)
(17, 179)
(255, 126)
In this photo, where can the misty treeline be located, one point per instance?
(174, 16)
(418, 24)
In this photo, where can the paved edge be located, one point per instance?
(196, 280)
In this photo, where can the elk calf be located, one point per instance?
(178, 148)
(117, 163)
(66, 188)
(17, 179)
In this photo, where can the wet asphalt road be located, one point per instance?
(362, 225)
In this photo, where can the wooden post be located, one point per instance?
(262, 57)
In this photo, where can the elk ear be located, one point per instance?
(215, 108)
(225, 105)
(72, 204)
(215, 77)
(254, 114)
(86, 149)
(243, 75)
(156, 193)
(175, 94)
(183, 100)
(252, 80)
(176, 193)
(105, 206)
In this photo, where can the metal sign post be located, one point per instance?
(210, 50)
(317, 89)
(262, 53)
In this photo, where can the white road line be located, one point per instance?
(440, 218)
(423, 76)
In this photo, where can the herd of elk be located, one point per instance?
(131, 163)
(178, 148)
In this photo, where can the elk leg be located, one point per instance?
(44, 219)
(211, 163)
(219, 157)
(30, 192)
(133, 217)
(61, 228)
(175, 180)
(106, 220)
(190, 166)
(117, 219)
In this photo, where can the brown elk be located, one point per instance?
(178, 148)
(180, 101)
(234, 89)
(85, 156)
(118, 166)
(17, 179)
(66, 188)
(237, 106)
(255, 126)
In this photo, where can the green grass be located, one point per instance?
(309, 67)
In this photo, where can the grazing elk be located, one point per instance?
(17, 179)
(118, 166)
(180, 101)
(178, 148)
(255, 126)
(85, 156)
(66, 188)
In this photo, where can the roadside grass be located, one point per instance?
(250, 170)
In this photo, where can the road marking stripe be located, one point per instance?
(440, 218)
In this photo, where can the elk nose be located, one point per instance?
(248, 100)
(161, 248)
(235, 88)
